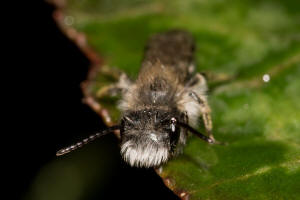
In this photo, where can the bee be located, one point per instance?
(162, 105)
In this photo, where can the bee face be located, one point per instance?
(149, 137)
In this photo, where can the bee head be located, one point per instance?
(149, 137)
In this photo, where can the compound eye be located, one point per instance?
(173, 124)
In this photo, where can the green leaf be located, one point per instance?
(248, 41)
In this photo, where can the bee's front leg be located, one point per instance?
(198, 87)
(206, 116)
(118, 88)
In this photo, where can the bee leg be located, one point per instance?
(205, 109)
(198, 81)
(113, 72)
(110, 90)
(198, 87)
(206, 116)
(117, 88)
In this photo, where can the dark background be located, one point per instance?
(52, 113)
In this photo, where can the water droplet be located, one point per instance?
(266, 78)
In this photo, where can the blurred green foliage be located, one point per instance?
(241, 39)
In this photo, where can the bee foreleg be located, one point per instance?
(117, 88)
(113, 72)
(205, 110)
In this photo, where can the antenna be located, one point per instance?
(87, 140)
(197, 133)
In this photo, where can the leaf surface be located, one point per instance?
(252, 50)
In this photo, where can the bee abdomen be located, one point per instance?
(172, 49)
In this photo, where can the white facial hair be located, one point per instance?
(148, 154)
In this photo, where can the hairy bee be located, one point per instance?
(162, 105)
